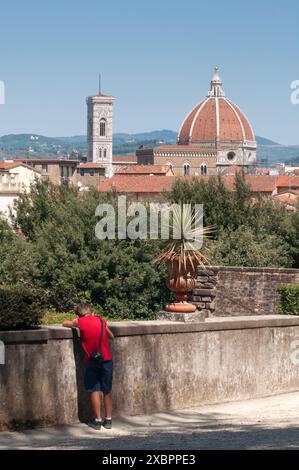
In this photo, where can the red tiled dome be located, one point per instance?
(215, 119)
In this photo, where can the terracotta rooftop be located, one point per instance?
(5, 165)
(91, 165)
(14, 164)
(137, 184)
(288, 182)
(45, 160)
(152, 184)
(288, 197)
(142, 170)
(215, 119)
(124, 159)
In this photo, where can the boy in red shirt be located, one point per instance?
(98, 376)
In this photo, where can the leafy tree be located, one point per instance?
(246, 247)
(118, 276)
(238, 211)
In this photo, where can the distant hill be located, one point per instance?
(22, 145)
(263, 141)
(293, 161)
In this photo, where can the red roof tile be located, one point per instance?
(90, 165)
(288, 182)
(206, 124)
(154, 184)
(137, 184)
(142, 170)
(124, 159)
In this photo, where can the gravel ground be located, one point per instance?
(268, 423)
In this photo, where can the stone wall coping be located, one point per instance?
(154, 327)
(250, 270)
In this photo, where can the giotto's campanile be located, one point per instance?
(99, 130)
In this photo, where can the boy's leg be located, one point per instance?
(96, 404)
(108, 404)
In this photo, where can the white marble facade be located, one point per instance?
(99, 130)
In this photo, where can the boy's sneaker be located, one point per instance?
(95, 424)
(107, 423)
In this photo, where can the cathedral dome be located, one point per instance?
(216, 119)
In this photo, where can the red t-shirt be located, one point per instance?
(90, 331)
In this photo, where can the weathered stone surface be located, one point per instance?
(160, 365)
(208, 285)
(202, 273)
(182, 317)
(245, 291)
(204, 292)
(210, 305)
(203, 279)
(201, 305)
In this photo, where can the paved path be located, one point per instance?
(268, 423)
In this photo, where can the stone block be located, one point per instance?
(205, 292)
(195, 317)
(203, 279)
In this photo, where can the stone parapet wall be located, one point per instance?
(233, 291)
(159, 366)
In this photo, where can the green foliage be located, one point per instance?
(289, 295)
(63, 255)
(20, 306)
(249, 231)
(246, 247)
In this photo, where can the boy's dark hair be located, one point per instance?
(83, 309)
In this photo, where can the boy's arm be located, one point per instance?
(70, 323)
(109, 333)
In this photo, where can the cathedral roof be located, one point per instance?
(215, 118)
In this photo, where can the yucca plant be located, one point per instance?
(183, 252)
(183, 255)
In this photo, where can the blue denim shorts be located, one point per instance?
(98, 377)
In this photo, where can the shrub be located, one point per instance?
(289, 295)
(21, 307)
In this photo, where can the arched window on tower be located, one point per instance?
(203, 169)
(186, 169)
(102, 127)
(100, 154)
(105, 154)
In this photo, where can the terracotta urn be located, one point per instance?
(180, 282)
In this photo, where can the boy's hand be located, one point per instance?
(109, 333)
(70, 323)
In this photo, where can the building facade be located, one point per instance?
(15, 178)
(99, 130)
(53, 169)
(214, 136)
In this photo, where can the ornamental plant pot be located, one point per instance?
(182, 256)
(181, 281)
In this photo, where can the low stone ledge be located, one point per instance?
(254, 269)
(25, 336)
(211, 324)
(154, 327)
(59, 332)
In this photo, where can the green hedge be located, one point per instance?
(289, 295)
(21, 307)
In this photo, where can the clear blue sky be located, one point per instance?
(156, 57)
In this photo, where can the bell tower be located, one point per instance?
(99, 130)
